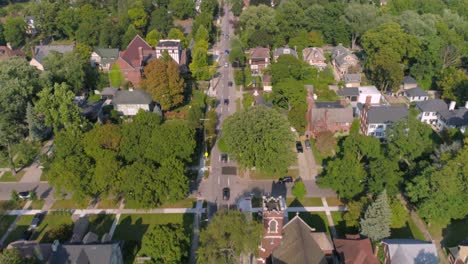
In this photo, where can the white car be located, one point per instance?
(226, 64)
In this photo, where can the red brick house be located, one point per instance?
(132, 60)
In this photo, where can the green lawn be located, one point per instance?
(9, 177)
(50, 222)
(100, 223)
(5, 222)
(12, 205)
(69, 204)
(108, 204)
(21, 226)
(307, 201)
(314, 220)
(116, 77)
(334, 201)
(37, 205)
(452, 234)
(340, 225)
(185, 203)
(94, 98)
(131, 229)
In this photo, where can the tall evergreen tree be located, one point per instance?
(377, 219)
(37, 127)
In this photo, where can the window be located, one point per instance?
(434, 113)
(273, 226)
(379, 134)
(427, 114)
(372, 126)
(380, 126)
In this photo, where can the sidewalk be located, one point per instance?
(13, 225)
(33, 172)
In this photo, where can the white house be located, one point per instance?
(453, 118)
(365, 91)
(429, 109)
(416, 94)
(376, 119)
(129, 102)
(173, 48)
(104, 58)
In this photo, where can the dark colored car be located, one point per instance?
(24, 195)
(26, 235)
(229, 84)
(37, 220)
(299, 147)
(285, 179)
(226, 101)
(226, 193)
(226, 51)
(307, 144)
(224, 157)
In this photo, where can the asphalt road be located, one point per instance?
(42, 189)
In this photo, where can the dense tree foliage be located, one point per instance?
(259, 137)
(172, 249)
(243, 238)
(377, 219)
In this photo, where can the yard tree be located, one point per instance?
(210, 6)
(199, 65)
(57, 106)
(175, 33)
(36, 124)
(164, 83)
(228, 235)
(15, 31)
(291, 18)
(9, 135)
(202, 34)
(66, 68)
(236, 7)
(153, 37)
(384, 174)
(236, 54)
(205, 20)
(377, 218)
(299, 190)
(138, 16)
(13, 256)
(289, 93)
(399, 214)
(452, 82)
(259, 137)
(129, 35)
(300, 41)
(316, 39)
(257, 19)
(182, 9)
(354, 212)
(173, 249)
(386, 71)
(359, 18)
(161, 20)
(171, 175)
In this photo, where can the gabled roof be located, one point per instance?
(351, 91)
(313, 54)
(339, 53)
(436, 105)
(259, 52)
(410, 251)
(386, 114)
(132, 54)
(417, 91)
(107, 53)
(368, 90)
(332, 112)
(109, 91)
(123, 97)
(457, 117)
(40, 52)
(285, 51)
(355, 251)
(352, 77)
(409, 80)
(298, 245)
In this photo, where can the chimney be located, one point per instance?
(452, 105)
(140, 53)
(368, 100)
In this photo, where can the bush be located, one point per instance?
(14, 196)
(62, 233)
(248, 100)
(299, 191)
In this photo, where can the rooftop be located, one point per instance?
(352, 91)
(409, 80)
(457, 117)
(355, 251)
(40, 52)
(168, 43)
(335, 104)
(259, 52)
(436, 105)
(411, 251)
(285, 51)
(352, 77)
(313, 54)
(368, 90)
(417, 91)
(132, 97)
(386, 114)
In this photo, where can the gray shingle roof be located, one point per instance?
(109, 91)
(168, 43)
(352, 77)
(410, 251)
(353, 91)
(457, 117)
(132, 97)
(334, 111)
(107, 55)
(386, 114)
(436, 105)
(284, 51)
(409, 80)
(339, 53)
(40, 52)
(416, 92)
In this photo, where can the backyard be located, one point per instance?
(452, 234)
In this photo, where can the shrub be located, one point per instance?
(299, 191)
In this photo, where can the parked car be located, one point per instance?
(226, 101)
(224, 158)
(299, 147)
(26, 235)
(24, 195)
(307, 144)
(37, 220)
(285, 179)
(226, 193)
(226, 52)
(226, 64)
(230, 84)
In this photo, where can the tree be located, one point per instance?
(161, 20)
(316, 39)
(2, 36)
(399, 214)
(354, 212)
(62, 233)
(286, 67)
(377, 219)
(129, 35)
(259, 137)
(384, 174)
(386, 71)
(325, 143)
(13, 256)
(172, 249)
(359, 18)
(453, 83)
(299, 190)
(164, 83)
(66, 68)
(153, 37)
(138, 17)
(256, 19)
(227, 236)
(182, 9)
(236, 7)
(202, 34)
(236, 55)
(199, 65)
(15, 31)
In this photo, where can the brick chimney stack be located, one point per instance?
(140, 54)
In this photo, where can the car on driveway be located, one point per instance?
(224, 158)
(226, 101)
(226, 64)
(230, 84)
(299, 147)
(307, 144)
(226, 193)
(37, 220)
(24, 195)
(226, 52)
(285, 179)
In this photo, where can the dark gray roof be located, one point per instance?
(386, 114)
(284, 51)
(298, 246)
(457, 117)
(109, 91)
(339, 53)
(410, 251)
(132, 97)
(40, 52)
(335, 104)
(352, 77)
(436, 105)
(409, 80)
(416, 92)
(332, 115)
(168, 43)
(353, 91)
(107, 55)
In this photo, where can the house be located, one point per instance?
(408, 83)
(292, 243)
(173, 48)
(266, 82)
(428, 110)
(129, 102)
(409, 251)
(132, 60)
(453, 118)
(93, 253)
(352, 80)
(108, 93)
(366, 91)
(314, 57)
(351, 94)
(343, 59)
(459, 254)
(375, 120)
(416, 94)
(355, 250)
(8, 52)
(259, 59)
(330, 116)
(104, 58)
(284, 51)
(41, 51)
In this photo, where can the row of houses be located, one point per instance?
(295, 242)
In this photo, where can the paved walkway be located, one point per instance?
(34, 171)
(196, 232)
(331, 224)
(117, 217)
(13, 225)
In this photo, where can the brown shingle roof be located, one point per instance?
(259, 53)
(132, 55)
(355, 251)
